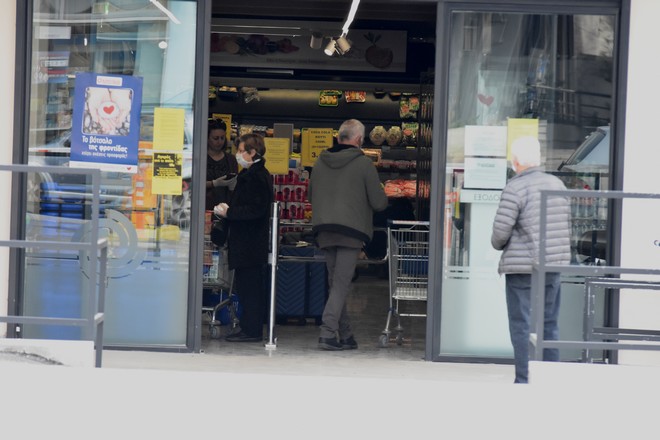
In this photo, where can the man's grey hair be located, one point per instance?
(349, 130)
(527, 151)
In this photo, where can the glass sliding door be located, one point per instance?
(112, 88)
(509, 75)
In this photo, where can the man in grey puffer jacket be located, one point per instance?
(344, 190)
(516, 232)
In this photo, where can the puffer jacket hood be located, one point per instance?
(340, 158)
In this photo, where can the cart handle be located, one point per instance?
(408, 222)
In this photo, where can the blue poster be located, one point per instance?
(106, 122)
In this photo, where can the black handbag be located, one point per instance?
(219, 232)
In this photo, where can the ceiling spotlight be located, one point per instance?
(343, 45)
(330, 48)
(316, 40)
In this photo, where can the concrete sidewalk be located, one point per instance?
(131, 402)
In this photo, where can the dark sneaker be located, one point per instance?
(348, 343)
(330, 344)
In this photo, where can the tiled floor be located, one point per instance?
(368, 307)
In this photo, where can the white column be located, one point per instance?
(7, 53)
(640, 225)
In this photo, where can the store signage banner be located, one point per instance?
(168, 128)
(242, 43)
(485, 156)
(106, 122)
(483, 140)
(520, 127)
(167, 173)
(168, 148)
(277, 155)
(485, 172)
(314, 141)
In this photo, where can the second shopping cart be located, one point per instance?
(408, 256)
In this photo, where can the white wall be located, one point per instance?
(7, 53)
(641, 221)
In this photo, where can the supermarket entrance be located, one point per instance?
(272, 77)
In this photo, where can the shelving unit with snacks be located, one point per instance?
(291, 191)
(395, 149)
(392, 126)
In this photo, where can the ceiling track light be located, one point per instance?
(343, 45)
(331, 47)
(316, 40)
(351, 16)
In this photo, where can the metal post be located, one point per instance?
(274, 248)
(538, 287)
(99, 317)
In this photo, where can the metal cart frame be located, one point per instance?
(224, 283)
(408, 257)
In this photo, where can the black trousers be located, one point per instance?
(250, 286)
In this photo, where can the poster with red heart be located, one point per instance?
(106, 122)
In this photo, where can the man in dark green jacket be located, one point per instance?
(344, 191)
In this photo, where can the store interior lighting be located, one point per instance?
(351, 16)
(341, 45)
(330, 47)
(316, 40)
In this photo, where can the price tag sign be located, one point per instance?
(314, 141)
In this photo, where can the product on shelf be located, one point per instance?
(409, 132)
(394, 136)
(373, 154)
(355, 96)
(291, 191)
(329, 98)
(408, 107)
(401, 188)
(377, 135)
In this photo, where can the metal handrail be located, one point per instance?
(98, 257)
(541, 268)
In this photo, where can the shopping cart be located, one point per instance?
(408, 256)
(220, 304)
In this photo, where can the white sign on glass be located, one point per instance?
(483, 140)
(485, 173)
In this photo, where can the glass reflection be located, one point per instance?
(550, 76)
(148, 227)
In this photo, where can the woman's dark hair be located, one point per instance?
(217, 124)
(254, 142)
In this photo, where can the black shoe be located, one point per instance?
(242, 337)
(348, 344)
(330, 344)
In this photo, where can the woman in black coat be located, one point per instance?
(248, 215)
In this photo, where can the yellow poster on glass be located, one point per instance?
(168, 128)
(277, 155)
(314, 141)
(167, 177)
(520, 127)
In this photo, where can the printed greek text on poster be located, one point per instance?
(106, 122)
(314, 141)
(167, 173)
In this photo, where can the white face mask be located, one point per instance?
(242, 162)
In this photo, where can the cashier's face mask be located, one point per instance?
(241, 161)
